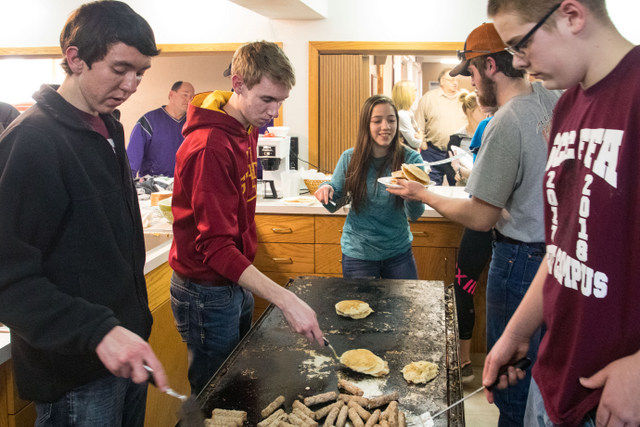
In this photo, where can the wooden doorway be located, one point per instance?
(318, 103)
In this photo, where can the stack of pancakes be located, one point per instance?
(410, 172)
(353, 308)
(362, 360)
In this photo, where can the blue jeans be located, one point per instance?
(211, 320)
(511, 271)
(401, 266)
(536, 415)
(106, 402)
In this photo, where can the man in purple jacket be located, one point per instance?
(158, 134)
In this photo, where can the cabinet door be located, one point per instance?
(329, 228)
(284, 257)
(435, 263)
(284, 228)
(328, 259)
(436, 233)
(167, 344)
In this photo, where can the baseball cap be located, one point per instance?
(484, 40)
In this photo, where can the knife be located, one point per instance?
(523, 364)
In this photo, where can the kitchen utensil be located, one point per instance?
(190, 413)
(426, 419)
(443, 161)
(328, 344)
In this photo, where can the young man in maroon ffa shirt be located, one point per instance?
(585, 292)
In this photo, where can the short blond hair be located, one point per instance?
(255, 60)
(403, 94)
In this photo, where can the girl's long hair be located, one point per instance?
(355, 188)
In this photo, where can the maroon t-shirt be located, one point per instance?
(592, 221)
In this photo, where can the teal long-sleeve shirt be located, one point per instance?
(379, 230)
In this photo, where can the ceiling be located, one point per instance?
(287, 9)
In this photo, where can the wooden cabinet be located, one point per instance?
(162, 409)
(15, 411)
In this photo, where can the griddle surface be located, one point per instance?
(409, 323)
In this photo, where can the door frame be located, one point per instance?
(317, 48)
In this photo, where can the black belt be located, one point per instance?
(499, 237)
(216, 282)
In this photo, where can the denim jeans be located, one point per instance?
(106, 402)
(511, 271)
(536, 415)
(211, 320)
(401, 266)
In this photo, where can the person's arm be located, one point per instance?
(300, 317)
(406, 129)
(208, 178)
(513, 344)
(413, 208)
(333, 190)
(620, 380)
(471, 212)
(421, 120)
(138, 142)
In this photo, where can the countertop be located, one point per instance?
(308, 205)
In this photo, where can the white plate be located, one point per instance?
(299, 200)
(386, 180)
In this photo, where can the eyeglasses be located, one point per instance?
(517, 49)
(462, 57)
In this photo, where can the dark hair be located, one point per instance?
(355, 188)
(176, 86)
(504, 63)
(94, 27)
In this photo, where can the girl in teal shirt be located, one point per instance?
(376, 240)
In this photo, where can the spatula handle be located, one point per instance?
(523, 364)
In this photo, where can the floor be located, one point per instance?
(477, 411)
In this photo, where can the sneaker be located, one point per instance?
(467, 373)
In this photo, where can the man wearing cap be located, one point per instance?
(506, 189)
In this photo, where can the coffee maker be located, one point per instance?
(273, 155)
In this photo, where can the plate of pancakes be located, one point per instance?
(408, 171)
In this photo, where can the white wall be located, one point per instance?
(38, 23)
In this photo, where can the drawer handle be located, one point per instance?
(419, 233)
(285, 230)
(288, 260)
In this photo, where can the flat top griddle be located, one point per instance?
(412, 320)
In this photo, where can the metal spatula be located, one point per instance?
(426, 419)
(328, 344)
(190, 413)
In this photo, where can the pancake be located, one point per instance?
(420, 372)
(353, 308)
(414, 172)
(364, 361)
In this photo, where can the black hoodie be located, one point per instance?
(71, 246)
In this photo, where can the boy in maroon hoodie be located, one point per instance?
(214, 204)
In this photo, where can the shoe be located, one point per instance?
(467, 373)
